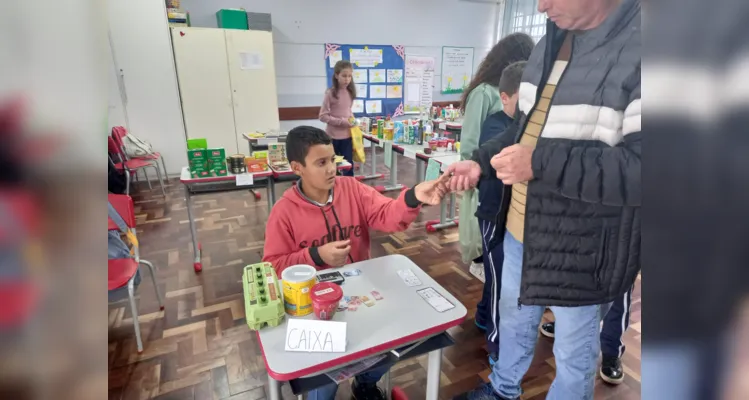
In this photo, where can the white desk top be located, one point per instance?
(402, 317)
(186, 177)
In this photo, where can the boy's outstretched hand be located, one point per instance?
(335, 253)
(432, 192)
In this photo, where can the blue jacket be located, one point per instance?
(490, 188)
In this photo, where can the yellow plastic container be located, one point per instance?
(297, 283)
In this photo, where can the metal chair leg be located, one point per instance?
(134, 309)
(163, 164)
(127, 181)
(153, 278)
(145, 172)
(158, 175)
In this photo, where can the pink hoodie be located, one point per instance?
(296, 224)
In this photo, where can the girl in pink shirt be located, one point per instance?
(336, 111)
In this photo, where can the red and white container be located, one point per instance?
(325, 298)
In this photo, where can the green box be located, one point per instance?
(228, 18)
(198, 161)
(217, 161)
(199, 143)
(263, 299)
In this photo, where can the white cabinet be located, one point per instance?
(227, 84)
(139, 37)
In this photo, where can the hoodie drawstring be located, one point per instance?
(338, 222)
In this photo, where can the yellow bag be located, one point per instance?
(358, 140)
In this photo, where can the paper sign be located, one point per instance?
(360, 76)
(361, 90)
(334, 58)
(439, 303)
(251, 60)
(409, 154)
(365, 57)
(433, 170)
(357, 106)
(245, 179)
(315, 336)
(395, 76)
(377, 92)
(388, 149)
(377, 76)
(413, 93)
(374, 106)
(457, 68)
(394, 91)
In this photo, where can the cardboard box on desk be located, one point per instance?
(198, 161)
(277, 157)
(217, 161)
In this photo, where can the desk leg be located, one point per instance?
(386, 385)
(197, 265)
(420, 172)
(271, 188)
(444, 222)
(434, 368)
(274, 389)
(373, 157)
(393, 185)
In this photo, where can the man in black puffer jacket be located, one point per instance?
(571, 204)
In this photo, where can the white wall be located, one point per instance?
(301, 27)
(142, 48)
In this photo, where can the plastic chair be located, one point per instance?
(132, 166)
(122, 271)
(118, 134)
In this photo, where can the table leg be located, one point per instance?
(393, 185)
(386, 384)
(373, 156)
(274, 389)
(197, 265)
(271, 188)
(452, 206)
(434, 368)
(420, 172)
(444, 221)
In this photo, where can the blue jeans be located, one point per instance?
(576, 340)
(345, 148)
(487, 310)
(328, 391)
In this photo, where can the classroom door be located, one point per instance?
(203, 75)
(253, 81)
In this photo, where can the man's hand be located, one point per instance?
(335, 253)
(432, 192)
(513, 164)
(464, 175)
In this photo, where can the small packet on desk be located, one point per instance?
(409, 278)
(355, 272)
(367, 301)
(377, 295)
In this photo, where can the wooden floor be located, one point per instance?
(201, 348)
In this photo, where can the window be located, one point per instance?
(523, 16)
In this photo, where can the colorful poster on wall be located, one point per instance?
(358, 106)
(457, 69)
(378, 74)
(419, 83)
(334, 58)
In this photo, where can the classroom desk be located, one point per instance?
(219, 184)
(262, 143)
(400, 319)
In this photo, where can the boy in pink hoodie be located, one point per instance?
(324, 221)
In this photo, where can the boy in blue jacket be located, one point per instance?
(490, 196)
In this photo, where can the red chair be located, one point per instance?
(130, 167)
(122, 271)
(118, 134)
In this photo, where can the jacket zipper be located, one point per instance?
(520, 133)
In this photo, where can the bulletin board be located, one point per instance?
(378, 75)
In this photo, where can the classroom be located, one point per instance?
(327, 200)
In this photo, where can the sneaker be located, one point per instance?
(477, 270)
(611, 370)
(492, 359)
(366, 391)
(547, 329)
(483, 392)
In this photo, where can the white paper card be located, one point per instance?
(442, 126)
(409, 278)
(376, 76)
(395, 76)
(334, 57)
(366, 58)
(250, 60)
(245, 179)
(361, 90)
(439, 303)
(374, 106)
(377, 91)
(357, 106)
(409, 154)
(360, 76)
(309, 335)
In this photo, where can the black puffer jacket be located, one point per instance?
(582, 217)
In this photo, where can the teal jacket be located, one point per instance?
(483, 101)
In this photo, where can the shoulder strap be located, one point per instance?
(117, 218)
